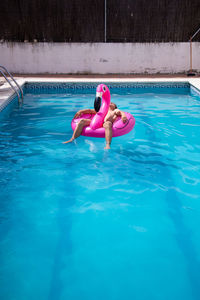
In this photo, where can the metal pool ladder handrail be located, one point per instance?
(190, 40)
(20, 100)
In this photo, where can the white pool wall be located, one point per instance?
(99, 58)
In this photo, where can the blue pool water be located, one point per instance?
(80, 222)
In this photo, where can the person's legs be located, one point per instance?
(78, 129)
(108, 133)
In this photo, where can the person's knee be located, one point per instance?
(107, 124)
(83, 122)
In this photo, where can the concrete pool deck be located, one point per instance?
(7, 93)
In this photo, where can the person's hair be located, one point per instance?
(114, 104)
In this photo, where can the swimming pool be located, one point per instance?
(79, 222)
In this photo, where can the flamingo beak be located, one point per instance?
(97, 103)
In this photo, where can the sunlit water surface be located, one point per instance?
(80, 222)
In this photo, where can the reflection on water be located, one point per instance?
(84, 222)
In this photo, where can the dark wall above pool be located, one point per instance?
(84, 21)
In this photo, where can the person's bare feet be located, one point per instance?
(107, 146)
(71, 140)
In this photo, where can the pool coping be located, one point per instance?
(7, 94)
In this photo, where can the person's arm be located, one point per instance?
(123, 116)
(84, 111)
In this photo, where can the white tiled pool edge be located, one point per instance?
(6, 93)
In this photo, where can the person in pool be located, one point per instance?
(109, 119)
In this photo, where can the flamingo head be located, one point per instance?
(102, 95)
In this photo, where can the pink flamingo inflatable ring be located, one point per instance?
(96, 129)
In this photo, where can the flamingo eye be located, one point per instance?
(104, 88)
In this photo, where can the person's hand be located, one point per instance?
(124, 119)
(78, 114)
